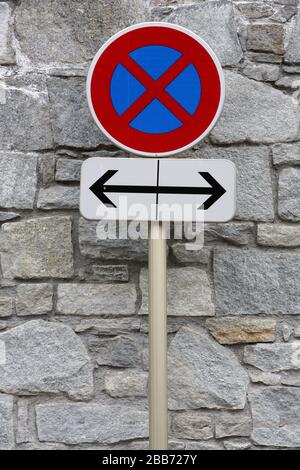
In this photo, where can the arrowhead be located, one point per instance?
(98, 188)
(217, 191)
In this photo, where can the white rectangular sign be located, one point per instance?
(158, 189)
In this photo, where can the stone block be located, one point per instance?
(37, 248)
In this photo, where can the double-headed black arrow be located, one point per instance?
(100, 188)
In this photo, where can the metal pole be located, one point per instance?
(158, 374)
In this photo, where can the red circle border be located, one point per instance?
(193, 128)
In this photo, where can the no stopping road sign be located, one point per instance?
(155, 89)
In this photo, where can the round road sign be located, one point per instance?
(155, 89)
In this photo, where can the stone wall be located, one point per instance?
(73, 340)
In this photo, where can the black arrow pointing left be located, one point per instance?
(99, 188)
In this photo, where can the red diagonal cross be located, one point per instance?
(155, 89)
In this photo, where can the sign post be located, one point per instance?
(155, 90)
(158, 365)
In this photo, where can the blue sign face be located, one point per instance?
(156, 117)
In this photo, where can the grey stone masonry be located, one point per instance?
(24, 105)
(45, 357)
(237, 444)
(274, 357)
(7, 54)
(74, 360)
(129, 383)
(192, 425)
(262, 72)
(276, 413)
(289, 83)
(6, 422)
(293, 50)
(253, 281)
(58, 197)
(266, 37)
(289, 193)
(204, 374)
(185, 253)
(286, 154)
(68, 170)
(196, 285)
(6, 216)
(215, 23)
(72, 123)
(109, 326)
(254, 183)
(255, 10)
(80, 28)
(37, 248)
(87, 423)
(6, 307)
(46, 168)
(252, 114)
(233, 425)
(238, 234)
(95, 299)
(107, 273)
(34, 299)
(99, 242)
(281, 235)
(18, 180)
(119, 351)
